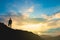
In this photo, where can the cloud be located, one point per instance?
(12, 12)
(27, 12)
(31, 9)
(57, 15)
(53, 31)
(17, 17)
(54, 16)
(24, 9)
(52, 21)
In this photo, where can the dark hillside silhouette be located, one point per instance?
(7, 33)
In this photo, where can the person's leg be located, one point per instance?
(10, 25)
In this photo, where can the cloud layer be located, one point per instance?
(22, 19)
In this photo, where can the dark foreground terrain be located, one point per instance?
(47, 37)
(7, 33)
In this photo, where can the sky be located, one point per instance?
(37, 16)
(48, 7)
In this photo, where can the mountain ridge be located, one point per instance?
(7, 33)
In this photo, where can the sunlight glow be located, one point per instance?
(35, 28)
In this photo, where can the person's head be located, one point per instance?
(10, 18)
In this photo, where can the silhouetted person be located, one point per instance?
(10, 23)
